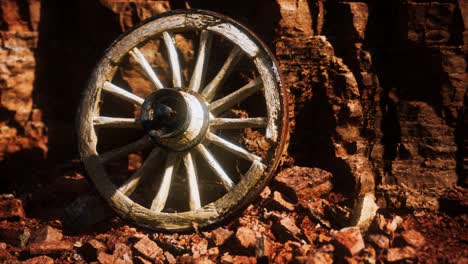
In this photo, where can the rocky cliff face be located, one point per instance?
(377, 88)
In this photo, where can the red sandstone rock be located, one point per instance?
(413, 238)
(169, 258)
(264, 249)
(39, 260)
(219, 236)
(285, 229)
(398, 254)
(350, 239)
(246, 237)
(46, 234)
(49, 248)
(11, 209)
(92, 248)
(140, 260)
(5, 256)
(122, 254)
(200, 248)
(302, 183)
(14, 234)
(148, 249)
(278, 202)
(228, 259)
(380, 240)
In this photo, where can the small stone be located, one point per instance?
(364, 211)
(308, 228)
(213, 253)
(220, 235)
(398, 254)
(350, 239)
(278, 202)
(301, 184)
(200, 248)
(14, 234)
(148, 249)
(49, 248)
(380, 240)
(285, 229)
(46, 234)
(264, 249)
(265, 193)
(380, 222)
(122, 254)
(393, 225)
(39, 260)
(104, 258)
(413, 238)
(228, 259)
(5, 256)
(246, 237)
(11, 209)
(169, 258)
(92, 248)
(140, 260)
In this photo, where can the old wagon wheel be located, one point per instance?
(209, 147)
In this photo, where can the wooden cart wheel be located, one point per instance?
(209, 147)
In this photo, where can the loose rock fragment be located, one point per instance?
(246, 237)
(302, 184)
(219, 236)
(122, 253)
(397, 254)
(286, 229)
(413, 238)
(350, 239)
(228, 259)
(364, 211)
(92, 248)
(380, 240)
(49, 248)
(39, 260)
(46, 234)
(200, 248)
(264, 249)
(148, 249)
(11, 209)
(169, 258)
(278, 202)
(13, 234)
(392, 226)
(140, 260)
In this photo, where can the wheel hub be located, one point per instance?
(175, 119)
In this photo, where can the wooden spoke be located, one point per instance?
(171, 166)
(122, 93)
(198, 75)
(148, 167)
(191, 169)
(174, 58)
(224, 144)
(215, 166)
(235, 97)
(236, 123)
(117, 122)
(140, 58)
(123, 151)
(210, 90)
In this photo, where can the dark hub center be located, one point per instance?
(164, 113)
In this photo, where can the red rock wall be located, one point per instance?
(21, 128)
(377, 87)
